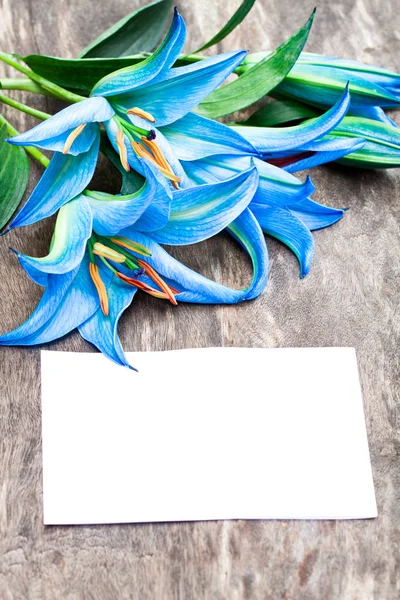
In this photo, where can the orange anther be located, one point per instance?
(72, 137)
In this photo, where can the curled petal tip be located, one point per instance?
(5, 231)
(15, 251)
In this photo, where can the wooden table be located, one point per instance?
(350, 298)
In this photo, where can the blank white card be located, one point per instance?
(217, 433)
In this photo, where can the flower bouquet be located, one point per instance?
(185, 175)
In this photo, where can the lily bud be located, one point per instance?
(319, 80)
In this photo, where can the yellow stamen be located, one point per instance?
(158, 155)
(100, 287)
(123, 154)
(72, 137)
(143, 153)
(157, 279)
(141, 113)
(160, 158)
(102, 250)
(134, 246)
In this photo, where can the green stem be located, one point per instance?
(34, 152)
(38, 114)
(55, 89)
(21, 83)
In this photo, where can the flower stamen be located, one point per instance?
(100, 287)
(141, 113)
(144, 153)
(123, 153)
(72, 137)
(158, 280)
(102, 250)
(143, 286)
(130, 245)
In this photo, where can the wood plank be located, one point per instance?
(350, 298)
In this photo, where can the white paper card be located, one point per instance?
(217, 433)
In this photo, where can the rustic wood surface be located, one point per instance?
(350, 298)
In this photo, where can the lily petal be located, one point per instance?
(192, 286)
(181, 89)
(194, 137)
(101, 330)
(325, 153)
(200, 212)
(275, 185)
(247, 231)
(371, 112)
(316, 216)
(67, 301)
(286, 227)
(53, 133)
(269, 140)
(134, 76)
(72, 230)
(65, 178)
(113, 213)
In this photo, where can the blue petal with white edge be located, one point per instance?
(246, 230)
(194, 137)
(54, 294)
(316, 216)
(113, 213)
(53, 133)
(181, 89)
(343, 147)
(275, 185)
(286, 227)
(193, 287)
(269, 140)
(371, 112)
(65, 178)
(68, 300)
(72, 230)
(200, 212)
(134, 76)
(101, 330)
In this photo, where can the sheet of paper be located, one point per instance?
(217, 433)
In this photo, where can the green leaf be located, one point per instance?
(233, 22)
(278, 113)
(77, 74)
(14, 175)
(138, 32)
(81, 74)
(257, 81)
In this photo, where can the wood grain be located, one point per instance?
(350, 298)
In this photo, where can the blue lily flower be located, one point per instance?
(122, 101)
(90, 279)
(281, 204)
(318, 80)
